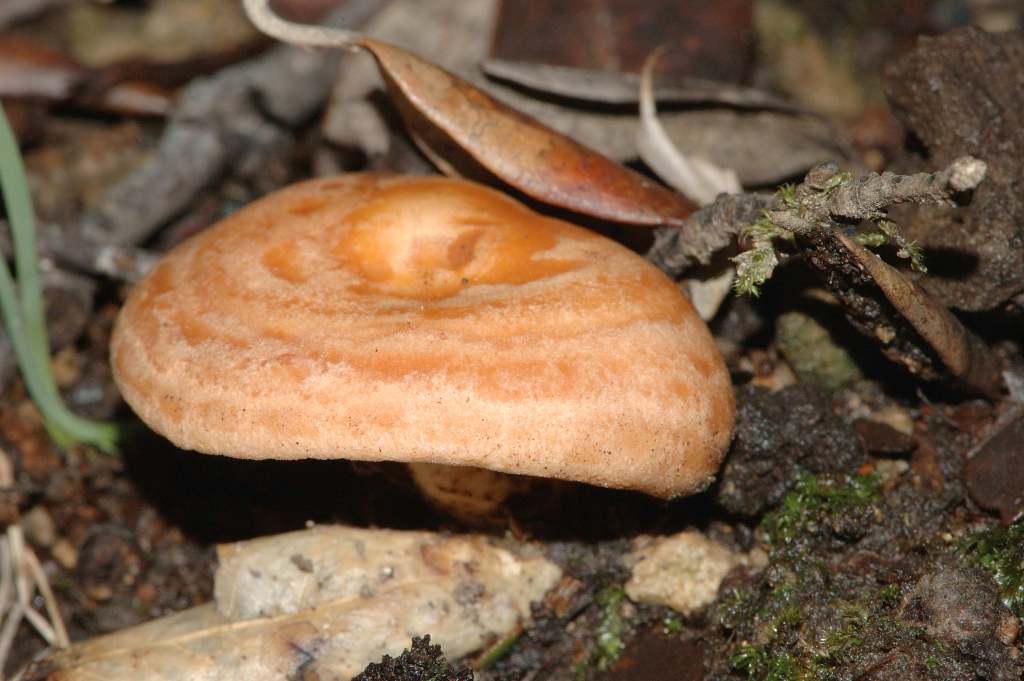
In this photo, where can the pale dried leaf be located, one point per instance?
(323, 603)
(708, 292)
(610, 87)
(695, 177)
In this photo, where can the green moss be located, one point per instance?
(610, 628)
(808, 345)
(780, 634)
(891, 595)
(1000, 550)
(814, 502)
(757, 663)
(671, 625)
(756, 265)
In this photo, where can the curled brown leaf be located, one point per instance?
(964, 356)
(461, 126)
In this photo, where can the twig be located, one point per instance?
(42, 584)
(828, 200)
(912, 327)
(122, 263)
(21, 576)
(705, 232)
(820, 202)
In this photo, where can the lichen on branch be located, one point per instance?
(830, 200)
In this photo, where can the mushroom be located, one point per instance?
(431, 321)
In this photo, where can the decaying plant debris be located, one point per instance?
(866, 523)
(325, 601)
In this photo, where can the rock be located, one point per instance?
(959, 610)
(881, 438)
(778, 436)
(995, 476)
(682, 571)
(39, 527)
(814, 354)
(955, 605)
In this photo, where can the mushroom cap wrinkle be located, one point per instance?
(425, 319)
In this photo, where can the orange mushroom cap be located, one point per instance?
(381, 317)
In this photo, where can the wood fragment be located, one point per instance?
(705, 232)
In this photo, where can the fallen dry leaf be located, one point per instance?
(323, 603)
(964, 356)
(467, 131)
(451, 115)
(610, 87)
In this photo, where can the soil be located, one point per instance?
(895, 546)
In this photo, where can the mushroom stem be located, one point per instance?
(472, 495)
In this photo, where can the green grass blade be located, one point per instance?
(21, 305)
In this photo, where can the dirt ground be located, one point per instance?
(887, 503)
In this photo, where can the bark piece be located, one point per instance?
(960, 353)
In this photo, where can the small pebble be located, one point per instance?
(39, 527)
(65, 554)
